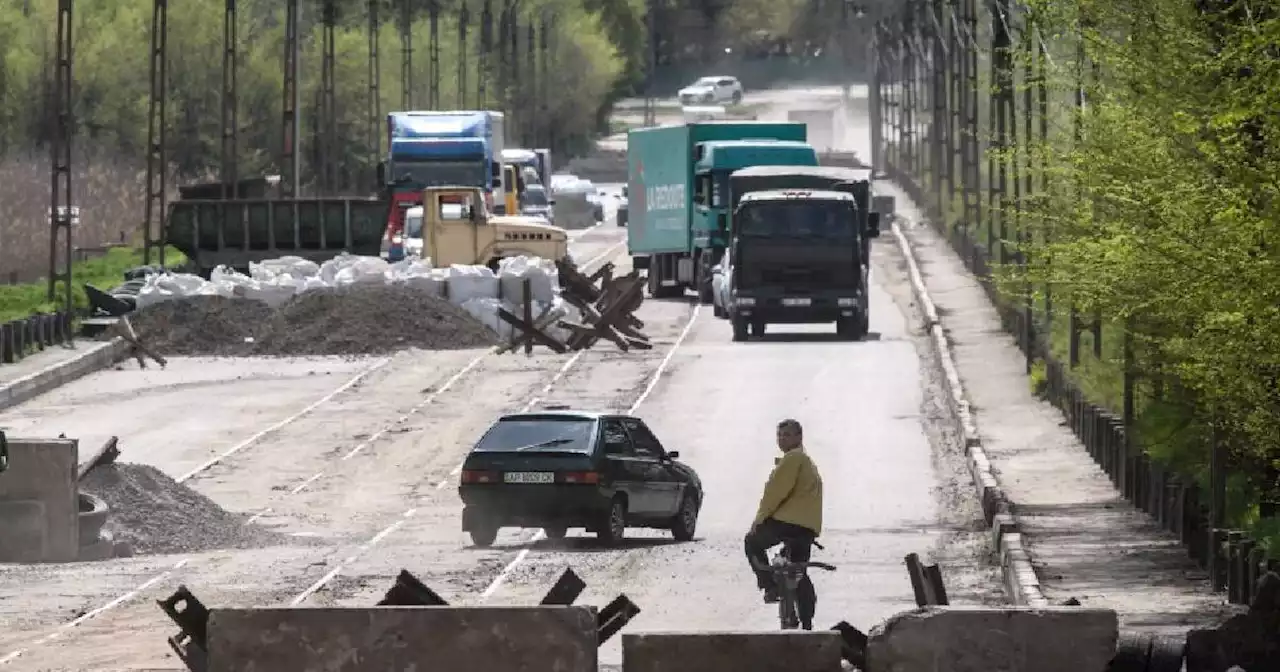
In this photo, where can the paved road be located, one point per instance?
(365, 487)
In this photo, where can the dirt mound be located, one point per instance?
(203, 325)
(371, 319)
(353, 320)
(155, 514)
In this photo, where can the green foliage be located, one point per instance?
(1164, 218)
(591, 47)
(105, 272)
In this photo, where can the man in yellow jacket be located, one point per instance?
(790, 513)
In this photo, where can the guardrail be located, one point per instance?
(20, 338)
(1235, 562)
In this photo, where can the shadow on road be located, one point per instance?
(590, 544)
(809, 337)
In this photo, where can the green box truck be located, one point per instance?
(678, 180)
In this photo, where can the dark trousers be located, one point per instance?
(799, 544)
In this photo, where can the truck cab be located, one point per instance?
(453, 226)
(797, 258)
(714, 162)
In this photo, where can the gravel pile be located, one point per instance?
(155, 514)
(352, 320)
(203, 325)
(371, 319)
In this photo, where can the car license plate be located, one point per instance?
(528, 477)
(795, 302)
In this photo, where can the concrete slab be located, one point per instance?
(44, 471)
(778, 651)
(408, 639)
(982, 639)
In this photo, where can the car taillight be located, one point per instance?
(472, 476)
(580, 477)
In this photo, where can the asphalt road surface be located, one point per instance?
(359, 482)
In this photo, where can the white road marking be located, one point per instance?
(89, 615)
(126, 597)
(648, 390)
(365, 548)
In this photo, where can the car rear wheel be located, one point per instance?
(739, 329)
(737, 97)
(555, 533)
(757, 329)
(484, 536)
(614, 527)
(685, 523)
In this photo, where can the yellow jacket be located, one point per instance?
(793, 493)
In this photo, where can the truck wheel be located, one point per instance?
(705, 296)
(739, 329)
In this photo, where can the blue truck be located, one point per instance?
(438, 149)
(678, 181)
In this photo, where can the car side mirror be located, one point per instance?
(673, 455)
(551, 201)
(873, 225)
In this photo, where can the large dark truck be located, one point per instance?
(213, 232)
(800, 248)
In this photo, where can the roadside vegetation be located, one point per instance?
(1165, 221)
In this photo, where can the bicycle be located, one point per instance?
(787, 576)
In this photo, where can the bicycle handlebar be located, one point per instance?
(794, 565)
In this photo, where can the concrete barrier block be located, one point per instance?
(409, 639)
(780, 651)
(44, 470)
(22, 531)
(983, 639)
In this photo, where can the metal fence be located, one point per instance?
(20, 338)
(956, 83)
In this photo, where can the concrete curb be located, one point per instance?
(99, 356)
(1020, 581)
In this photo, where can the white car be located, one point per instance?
(708, 90)
(721, 276)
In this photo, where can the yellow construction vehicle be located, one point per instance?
(452, 226)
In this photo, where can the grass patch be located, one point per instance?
(20, 300)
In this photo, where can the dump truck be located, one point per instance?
(454, 227)
(678, 181)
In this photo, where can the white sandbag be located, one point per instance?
(362, 270)
(292, 266)
(331, 267)
(485, 309)
(542, 275)
(471, 282)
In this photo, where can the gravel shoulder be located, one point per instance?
(1085, 540)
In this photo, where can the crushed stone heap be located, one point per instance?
(359, 319)
(155, 514)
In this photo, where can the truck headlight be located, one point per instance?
(744, 300)
(846, 303)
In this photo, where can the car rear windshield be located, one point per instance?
(531, 435)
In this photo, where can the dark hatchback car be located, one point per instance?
(557, 470)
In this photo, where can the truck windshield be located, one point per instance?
(535, 196)
(534, 435)
(796, 219)
(413, 226)
(422, 174)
